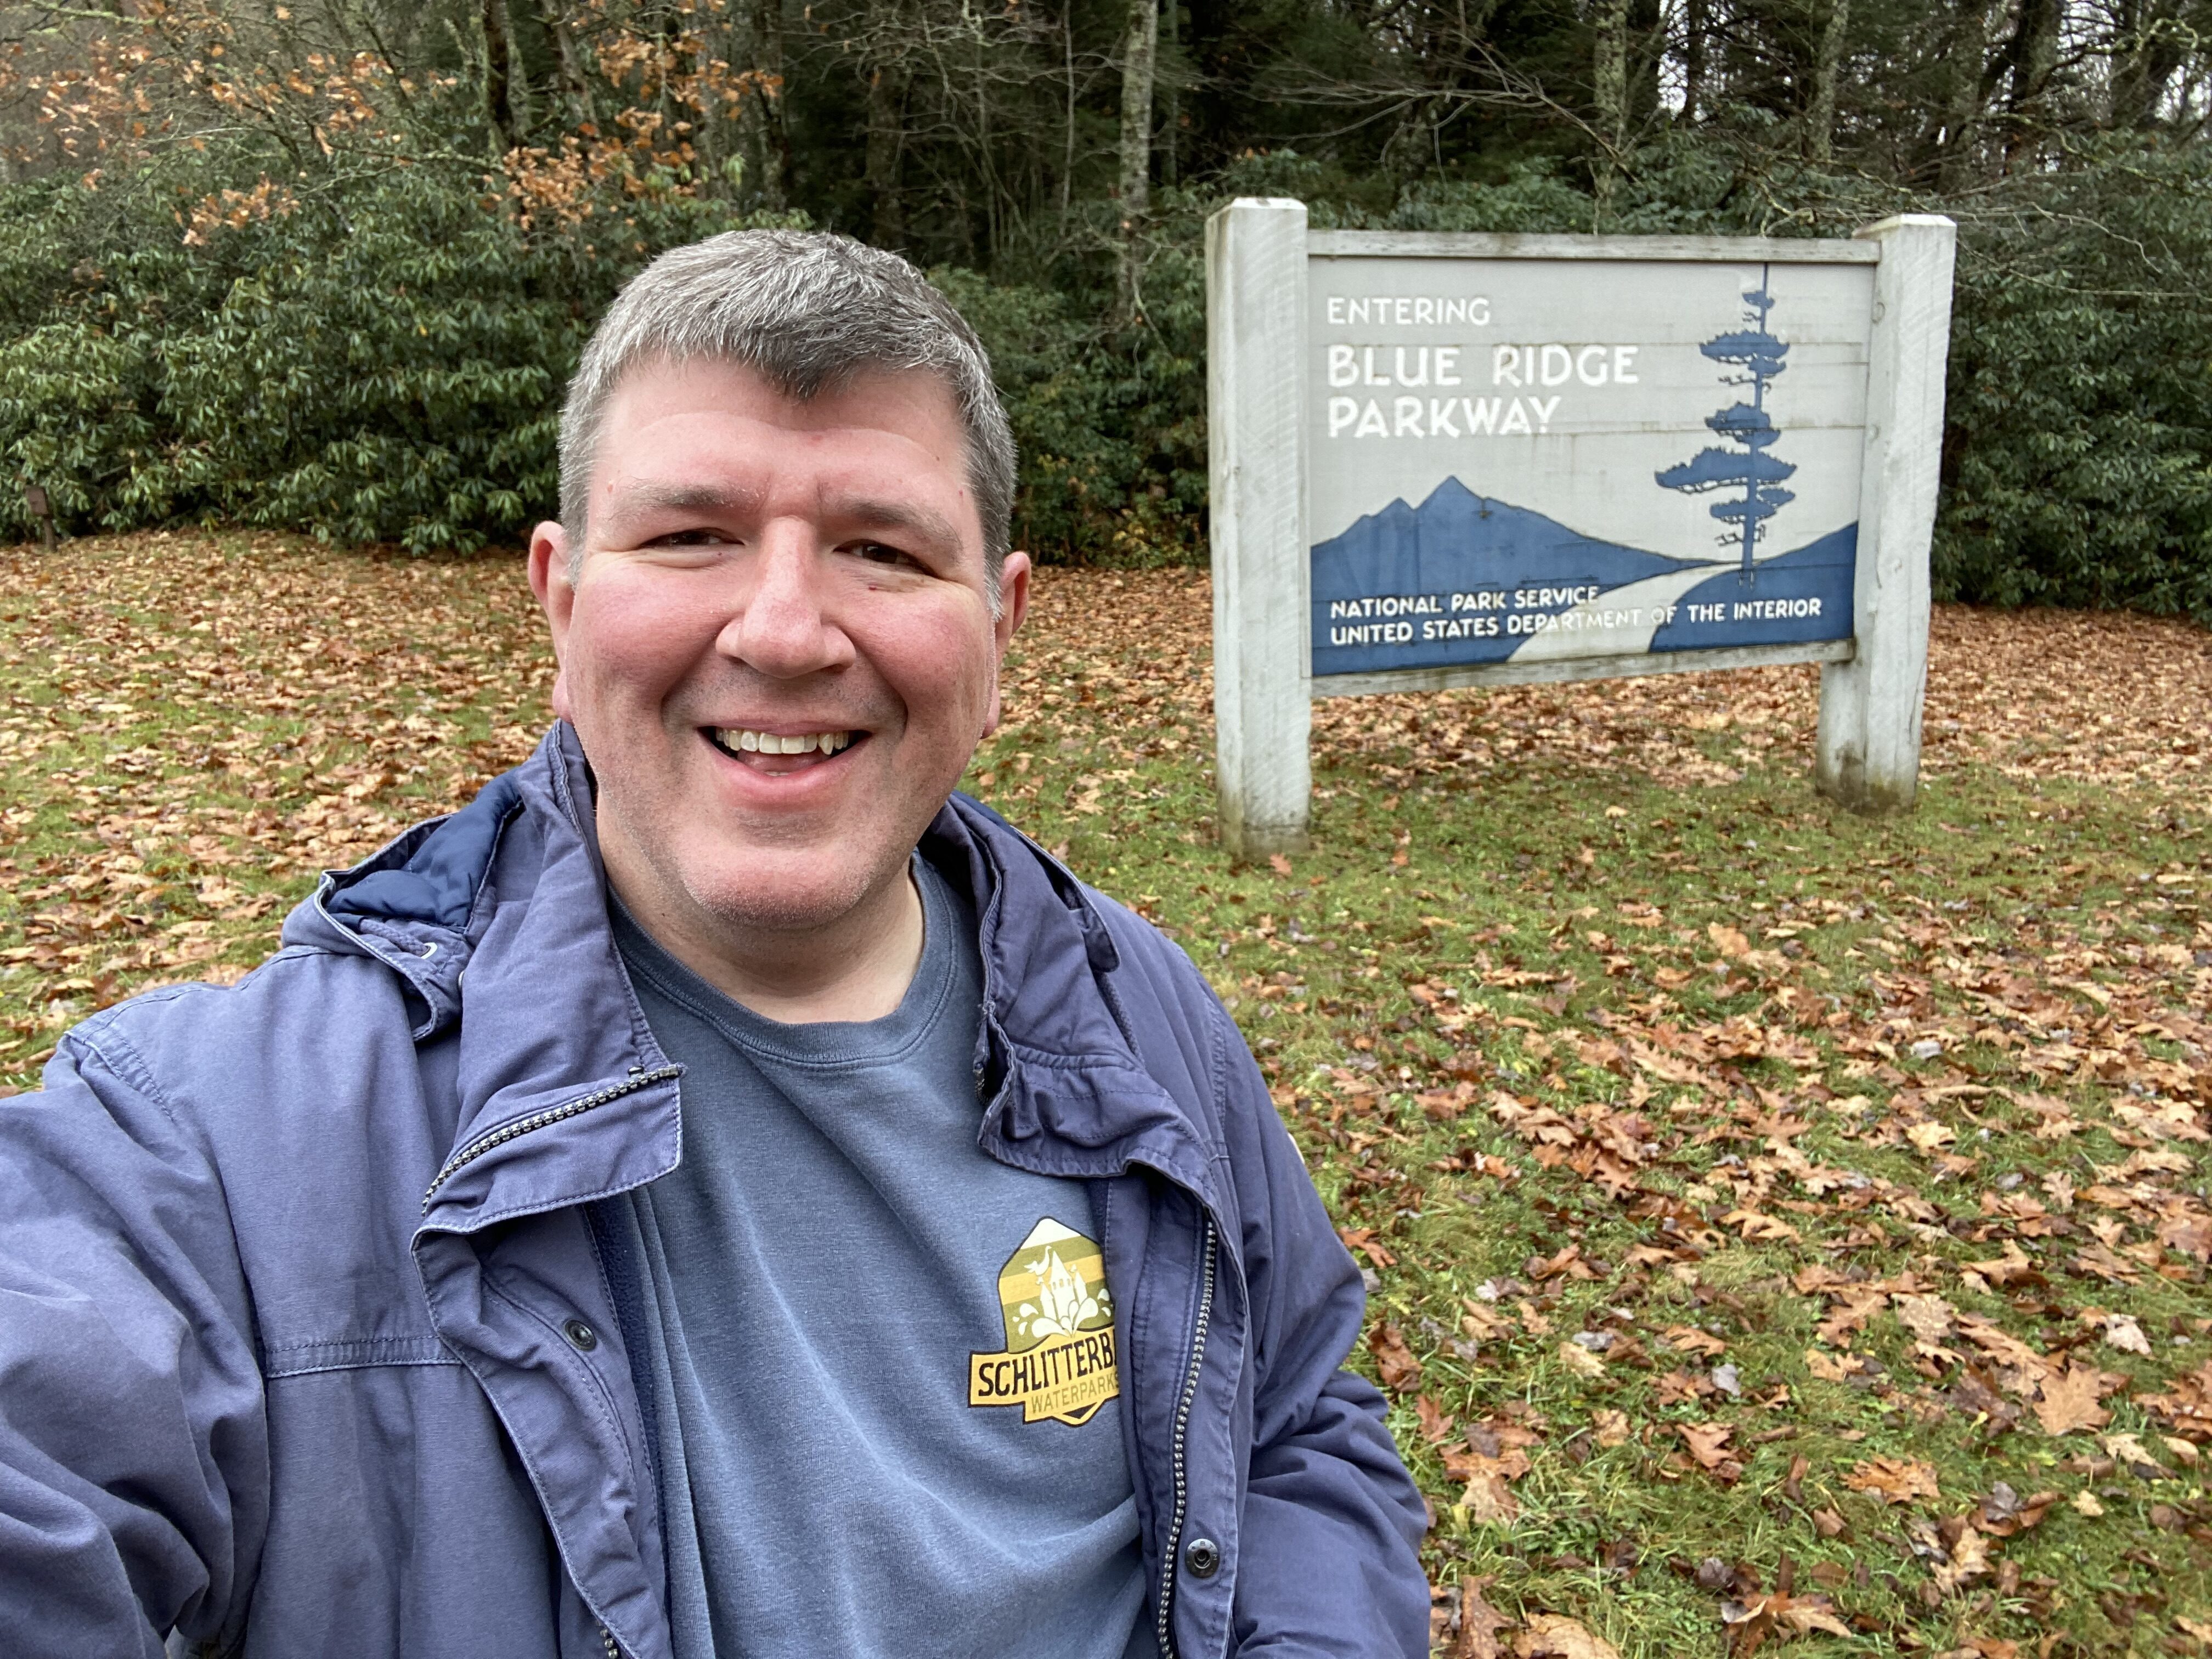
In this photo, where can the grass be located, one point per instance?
(1592, 1020)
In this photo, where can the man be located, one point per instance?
(722, 1193)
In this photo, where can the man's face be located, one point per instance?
(778, 649)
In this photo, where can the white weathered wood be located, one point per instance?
(1869, 752)
(1541, 672)
(1255, 288)
(1487, 244)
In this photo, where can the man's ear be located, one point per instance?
(1013, 605)
(1013, 598)
(549, 580)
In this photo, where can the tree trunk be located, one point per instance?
(1962, 120)
(1827, 69)
(499, 57)
(574, 89)
(2027, 61)
(1609, 84)
(521, 96)
(886, 96)
(1140, 48)
(1693, 58)
(2148, 57)
(1169, 159)
(773, 137)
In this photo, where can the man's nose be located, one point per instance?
(785, 627)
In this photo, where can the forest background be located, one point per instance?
(326, 264)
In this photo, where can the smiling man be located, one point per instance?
(722, 1192)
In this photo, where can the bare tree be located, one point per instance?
(1140, 48)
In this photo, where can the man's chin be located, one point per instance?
(772, 900)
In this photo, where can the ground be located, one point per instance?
(1784, 1228)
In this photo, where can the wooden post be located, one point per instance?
(41, 508)
(1256, 294)
(1869, 754)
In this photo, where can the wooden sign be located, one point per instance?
(1449, 460)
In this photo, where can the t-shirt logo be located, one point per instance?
(1059, 1361)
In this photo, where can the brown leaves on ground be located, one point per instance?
(1893, 1479)
(1708, 1446)
(1479, 1623)
(2068, 1399)
(1393, 1361)
(1493, 1453)
(1781, 1615)
(2187, 1407)
(2117, 698)
(1554, 1636)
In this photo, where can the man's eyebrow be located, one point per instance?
(876, 513)
(679, 498)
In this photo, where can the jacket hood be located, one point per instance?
(507, 897)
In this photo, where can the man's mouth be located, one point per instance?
(744, 741)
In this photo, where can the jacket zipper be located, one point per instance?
(522, 1125)
(1182, 1432)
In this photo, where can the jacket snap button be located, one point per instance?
(1203, 1557)
(581, 1335)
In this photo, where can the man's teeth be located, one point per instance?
(737, 738)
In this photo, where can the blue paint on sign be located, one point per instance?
(1792, 598)
(1469, 579)
(1457, 579)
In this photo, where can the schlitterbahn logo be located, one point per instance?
(1059, 1361)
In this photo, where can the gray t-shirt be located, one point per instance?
(879, 1364)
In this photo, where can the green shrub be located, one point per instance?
(382, 361)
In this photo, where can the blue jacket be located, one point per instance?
(287, 1271)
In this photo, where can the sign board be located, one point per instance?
(1443, 461)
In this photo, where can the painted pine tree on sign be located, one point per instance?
(1750, 468)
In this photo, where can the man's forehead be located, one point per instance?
(655, 385)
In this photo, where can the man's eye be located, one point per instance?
(877, 553)
(691, 538)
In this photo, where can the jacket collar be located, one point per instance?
(495, 920)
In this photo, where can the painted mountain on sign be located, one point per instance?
(1464, 578)
(1455, 543)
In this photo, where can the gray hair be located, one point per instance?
(805, 311)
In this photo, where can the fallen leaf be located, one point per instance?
(1435, 1426)
(1893, 1479)
(1610, 1427)
(1708, 1444)
(1928, 1317)
(1580, 1360)
(2130, 1454)
(1363, 1240)
(1826, 1368)
(1927, 1137)
(1479, 1623)
(2013, 1265)
(1487, 1501)
(1552, 1636)
(1393, 1360)
(2121, 1331)
(2069, 1400)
